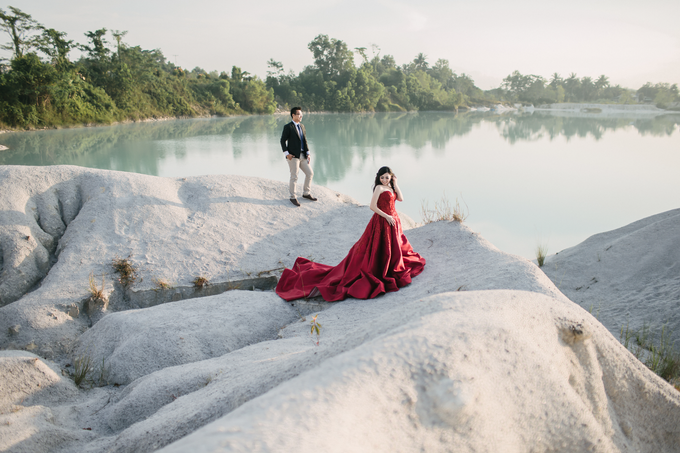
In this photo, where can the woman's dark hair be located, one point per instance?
(381, 172)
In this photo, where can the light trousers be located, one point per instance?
(295, 165)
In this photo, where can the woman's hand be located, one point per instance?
(396, 189)
(390, 220)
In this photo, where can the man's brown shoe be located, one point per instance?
(309, 197)
(295, 202)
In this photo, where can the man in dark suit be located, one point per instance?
(296, 151)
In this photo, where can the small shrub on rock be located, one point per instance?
(444, 210)
(200, 282)
(126, 271)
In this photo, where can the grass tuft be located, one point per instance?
(94, 291)
(127, 272)
(200, 282)
(444, 210)
(316, 327)
(541, 253)
(657, 352)
(82, 367)
(103, 374)
(161, 283)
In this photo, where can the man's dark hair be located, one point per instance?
(293, 110)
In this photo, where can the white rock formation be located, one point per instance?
(225, 229)
(134, 343)
(506, 371)
(31, 392)
(627, 277)
(480, 353)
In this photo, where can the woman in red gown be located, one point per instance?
(380, 262)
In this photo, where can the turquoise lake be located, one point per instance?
(526, 178)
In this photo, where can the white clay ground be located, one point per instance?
(482, 352)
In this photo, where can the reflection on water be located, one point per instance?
(541, 125)
(128, 147)
(525, 177)
(340, 137)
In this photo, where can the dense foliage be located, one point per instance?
(109, 83)
(379, 84)
(114, 81)
(534, 89)
(334, 83)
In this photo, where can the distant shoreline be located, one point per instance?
(565, 107)
(79, 125)
(587, 108)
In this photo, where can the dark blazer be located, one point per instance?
(290, 139)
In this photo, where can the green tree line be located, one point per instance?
(114, 81)
(335, 83)
(536, 90)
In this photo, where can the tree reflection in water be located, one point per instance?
(340, 138)
(499, 162)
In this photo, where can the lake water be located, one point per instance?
(525, 178)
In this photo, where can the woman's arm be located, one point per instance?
(397, 190)
(374, 205)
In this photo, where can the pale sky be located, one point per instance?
(631, 42)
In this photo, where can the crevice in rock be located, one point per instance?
(151, 297)
(56, 209)
(306, 307)
(70, 202)
(121, 300)
(49, 218)
(60, 207)
(32, 255)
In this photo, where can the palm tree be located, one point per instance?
(587, 88)
(420, 61)
(571, 87)
(602, 82)
(556, 80)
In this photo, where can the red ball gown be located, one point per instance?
(380, 262)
